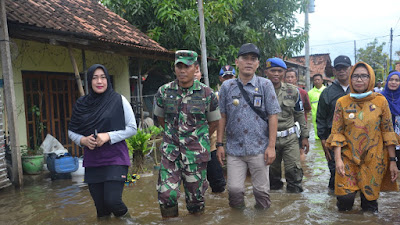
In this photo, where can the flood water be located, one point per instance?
(69, 202)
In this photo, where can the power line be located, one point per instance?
(394, 28)
(335, 43)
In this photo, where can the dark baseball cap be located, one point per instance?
(342, 60)
(249, 48)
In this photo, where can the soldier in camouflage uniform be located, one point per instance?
(188, 111)
(287, 145)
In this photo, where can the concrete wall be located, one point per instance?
(35, 56)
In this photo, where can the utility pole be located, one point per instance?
(355, 52)
(391, 45)
(309, 8)
(204, 68)
(307, 51)
(10, 97)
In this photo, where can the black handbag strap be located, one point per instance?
(260, 113)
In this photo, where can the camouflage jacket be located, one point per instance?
(186, 113)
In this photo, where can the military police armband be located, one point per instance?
(219, 144)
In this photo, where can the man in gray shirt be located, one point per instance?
(250, 138)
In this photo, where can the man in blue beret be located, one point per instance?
(287, 145)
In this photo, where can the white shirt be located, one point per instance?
(345, 87)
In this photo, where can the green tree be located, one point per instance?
(270, 24)
(373, 55)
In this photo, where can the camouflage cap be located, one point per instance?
(186, 57)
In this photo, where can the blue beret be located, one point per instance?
(227, 70)
(276, 62)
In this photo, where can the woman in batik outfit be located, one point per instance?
(364, 143)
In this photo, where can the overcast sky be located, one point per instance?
(335, 25)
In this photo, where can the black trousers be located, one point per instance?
(107, 197)
(215, 174)
(346, 202)
(332, 170)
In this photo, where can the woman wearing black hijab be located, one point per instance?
(100, 122)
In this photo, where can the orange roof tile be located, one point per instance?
(81, 18)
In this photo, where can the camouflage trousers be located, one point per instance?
(194, 177)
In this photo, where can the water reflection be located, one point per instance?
(68, 202)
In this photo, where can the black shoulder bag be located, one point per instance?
(260, 113)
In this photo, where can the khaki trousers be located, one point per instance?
(237, 171)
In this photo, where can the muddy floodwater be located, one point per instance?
(68, 202)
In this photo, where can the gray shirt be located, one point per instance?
(246, 132)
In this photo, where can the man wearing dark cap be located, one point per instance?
(326, 108)
(188, 111)
(287, 145)
(249, 111)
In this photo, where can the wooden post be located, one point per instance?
(84, 69)
(9, 95)
(76, 71)
(140, 90)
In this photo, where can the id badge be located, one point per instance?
(257, 102)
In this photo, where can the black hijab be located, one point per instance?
(103, 112)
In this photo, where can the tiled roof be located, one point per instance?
(82, 18)
(319, 63)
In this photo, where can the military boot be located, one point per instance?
(169, 211)
(195, 209)
(294, 177)
(294, 188)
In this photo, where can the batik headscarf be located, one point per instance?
(393, 97)
(103, 112)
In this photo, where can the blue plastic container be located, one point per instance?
(62, 164)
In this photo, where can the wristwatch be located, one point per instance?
(394, 159)
(219, 144)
